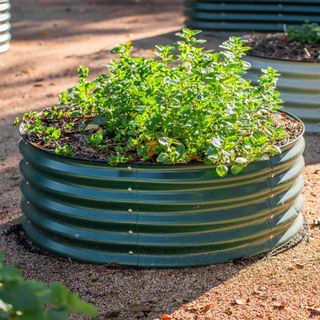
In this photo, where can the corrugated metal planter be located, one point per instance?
(4, 25)
(299, 85)
(267, 15)
(156, 215)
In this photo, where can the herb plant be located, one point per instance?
(308, 33)
(32, 300)
(185, 105)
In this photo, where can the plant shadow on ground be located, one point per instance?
(148, 43)
(42, 19)
(161, 290)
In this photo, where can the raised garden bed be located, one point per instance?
(250, 15)
(165, 174)
(160, 216)
(299, 67)
(4, 25)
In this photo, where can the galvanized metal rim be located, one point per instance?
(4, 17)
(5, 37)
(5, 47)
(5, 27)
(4, 6)
(284, 60)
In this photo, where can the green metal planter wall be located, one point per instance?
(266, 15)
(159, 216)
(299, 85)
(4, 25)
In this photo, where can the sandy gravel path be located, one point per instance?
(52, 37)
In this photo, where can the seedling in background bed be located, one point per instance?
(308, 33)
(185, 105)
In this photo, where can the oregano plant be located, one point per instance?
(22, 299)
(186, 104)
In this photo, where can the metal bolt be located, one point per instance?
(130, 252)
(130, 189)
(130, 210)
(129, 168)
(130, 232)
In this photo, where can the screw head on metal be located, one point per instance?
(130, 252)
(130, 210)
(130, 189)
(130, 232)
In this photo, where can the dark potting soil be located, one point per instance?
(77, 139)
(277, 46)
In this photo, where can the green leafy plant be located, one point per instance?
(32, 300)
(186, 105)
(308, 33)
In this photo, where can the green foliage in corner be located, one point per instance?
(308, 33)
(32, 300)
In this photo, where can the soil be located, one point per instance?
(51, 38)
(277, 46)
(84, 127)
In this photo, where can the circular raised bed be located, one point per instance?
(160, 216)
(299, 86)
(268, 15)
(4, 25)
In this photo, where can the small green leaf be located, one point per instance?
(56, 133)
(163, 157)
(236, 168)
(222, 170)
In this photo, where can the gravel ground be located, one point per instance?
(52, 37)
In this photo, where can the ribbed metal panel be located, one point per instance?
(252, 15)
(299, 85)
(159, 216)
(4, 25)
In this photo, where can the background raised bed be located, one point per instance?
(4, 25)
(269, 15)
(299, 85)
